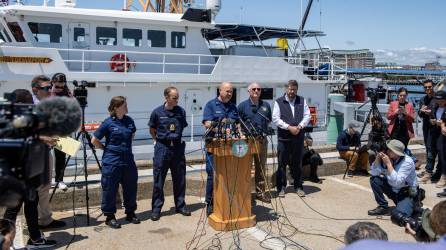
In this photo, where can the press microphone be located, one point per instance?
(213, 125)
(246, 128)
(253, 128)
(58, 116)
(55, 116)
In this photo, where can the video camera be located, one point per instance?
(80, 91)
(23, 156)
(375, 94)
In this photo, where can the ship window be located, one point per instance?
(16, 31)
(46, 32)
(131, 37)
(106, 36)
(267, 94)
(156, 38)
(79, 34)
(178, 39)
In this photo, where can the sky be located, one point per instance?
(402, 31)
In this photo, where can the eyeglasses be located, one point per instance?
(428, 87)
(402, 95)
(59, 87)
(46, 88)
(256, 89)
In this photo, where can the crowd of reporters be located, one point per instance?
(393, 171)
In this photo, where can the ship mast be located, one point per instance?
(169, 6)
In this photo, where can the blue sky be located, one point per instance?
(405, 31)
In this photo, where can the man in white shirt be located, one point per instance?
(290, 114)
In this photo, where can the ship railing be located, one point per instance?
(321, 67)
(137, 61)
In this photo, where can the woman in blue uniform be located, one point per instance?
(118, 164)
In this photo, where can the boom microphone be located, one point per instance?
(58, 116)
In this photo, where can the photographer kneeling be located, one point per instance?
(393, 173)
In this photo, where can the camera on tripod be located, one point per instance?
(376, 93)
(80, 91)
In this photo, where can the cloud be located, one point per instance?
(350, 43)
(411, 56)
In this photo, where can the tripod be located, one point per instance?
(372, 114)
(85, 140)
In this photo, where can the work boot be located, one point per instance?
(442, 182)
(436, 176)
(379, 211)
(426, 177)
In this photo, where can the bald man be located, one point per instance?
(256, 114)
(216, 110)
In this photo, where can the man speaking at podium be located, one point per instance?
(257, 116)
(217, 111)
(290, 114)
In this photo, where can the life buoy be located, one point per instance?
(120, 63)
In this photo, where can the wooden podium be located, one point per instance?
(232, 184)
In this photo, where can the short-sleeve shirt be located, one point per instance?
(169, 124)
(256, 114)
(216, 110)
(118, 134)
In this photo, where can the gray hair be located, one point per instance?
(364, 230)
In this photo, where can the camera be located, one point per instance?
(376, 93)
(23, 155)
(401, 219)
(80, 91)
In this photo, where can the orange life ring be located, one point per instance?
(120, 63)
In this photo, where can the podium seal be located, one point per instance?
(239, 148)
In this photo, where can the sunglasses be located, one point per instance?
(59, 87)
(256, 89)
(428, 87)
(46, 88)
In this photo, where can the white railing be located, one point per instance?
(138, 62)
(321, 68)
(163, 63)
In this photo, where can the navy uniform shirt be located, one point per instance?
(216, 110)
(118, 138)
(256, 114)
(169, 124)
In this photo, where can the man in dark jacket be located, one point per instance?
(349, 146)
(430, 133)
(290, 114)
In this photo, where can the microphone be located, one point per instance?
(253, 127)
(58, 116)
(246, 128)
(213, 124)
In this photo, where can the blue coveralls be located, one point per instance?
(169, 154)
(215, 110)
(118, 164)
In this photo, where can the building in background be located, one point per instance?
(362, 58)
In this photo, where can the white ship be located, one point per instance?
(138, 54)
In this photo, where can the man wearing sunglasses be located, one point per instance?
(256, 114)
(40, 86)
(430, 133)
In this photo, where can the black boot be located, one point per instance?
(313, 175)
(131, 217)
(112, 222)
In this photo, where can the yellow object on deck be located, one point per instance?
(282, 43)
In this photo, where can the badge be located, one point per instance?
(172, 127)
(239, 149)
